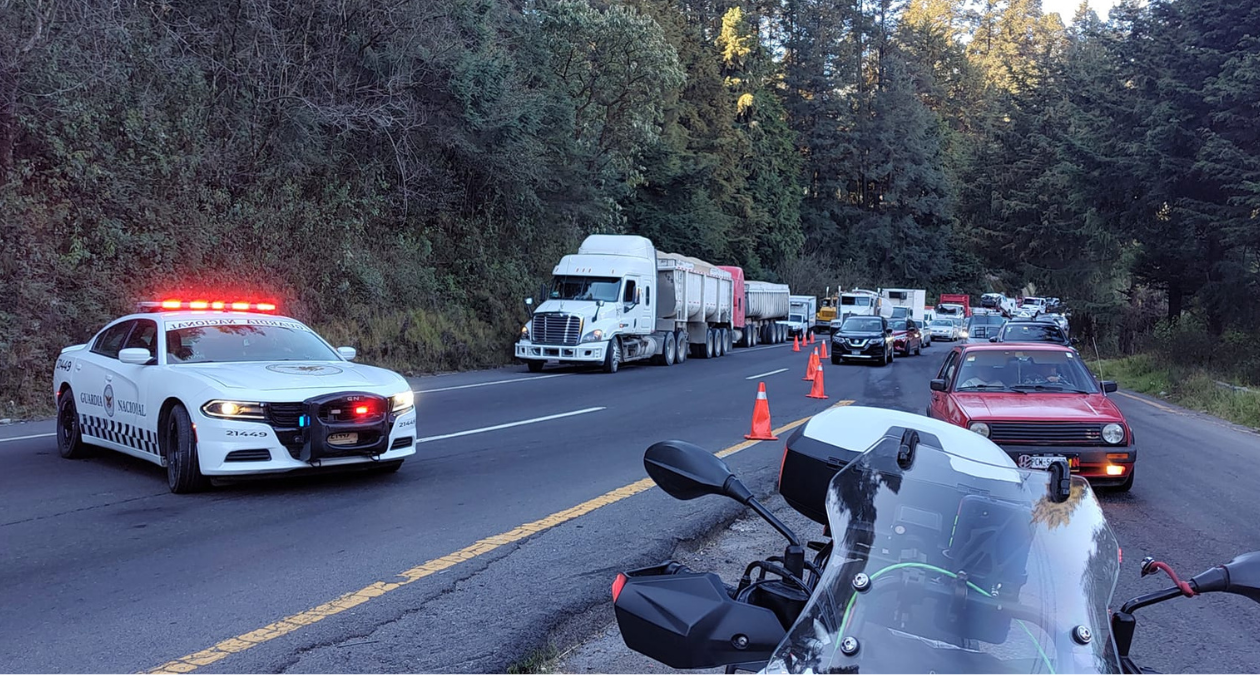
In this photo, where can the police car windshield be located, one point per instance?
(244, 342)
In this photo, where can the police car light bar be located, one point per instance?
(206, 305)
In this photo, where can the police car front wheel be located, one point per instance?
(69, 436)
(183, 470)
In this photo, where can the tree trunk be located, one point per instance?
(1174, 302)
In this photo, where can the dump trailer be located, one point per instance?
(761, 310)
(619, 300)
(954, 305)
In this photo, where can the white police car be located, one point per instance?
(228, 389)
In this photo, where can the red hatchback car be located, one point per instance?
(1040, 404)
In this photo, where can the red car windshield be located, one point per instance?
(1024, 370)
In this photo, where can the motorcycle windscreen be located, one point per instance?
(953, 565)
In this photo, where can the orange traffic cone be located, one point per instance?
(811, 337)
(823, 353)
(813, 366)
(818, 391)
(796, 343)
(761, 418)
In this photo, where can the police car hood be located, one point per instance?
(286, 375)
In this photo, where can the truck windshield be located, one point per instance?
(858, 300)
(585, 288)
(796, 318)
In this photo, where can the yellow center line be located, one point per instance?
(290, 624)
(1150, 402)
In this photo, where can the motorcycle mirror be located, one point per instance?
(1244, 575)
(686, 471)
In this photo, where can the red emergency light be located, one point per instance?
(207, 305)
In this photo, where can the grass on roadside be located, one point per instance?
(538, 661)
(1189, 387)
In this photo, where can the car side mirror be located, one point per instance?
(1075, 341)
(136, 356)
(937, 385)
(888, 331)
(686, 471)
(993, 339)
(347, 353)
(1110, 387)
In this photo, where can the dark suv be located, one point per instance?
(1033, 331)
(864, 338)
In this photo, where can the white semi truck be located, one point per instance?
(618, 300)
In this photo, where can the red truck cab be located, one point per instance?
(1040, 404)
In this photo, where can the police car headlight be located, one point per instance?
(593, 336)
(1113, 434)
(980, 428)
(403, 402)
(234, 410)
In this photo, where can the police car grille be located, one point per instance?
(285, 415)
(557, 329)
(1062, 433)
(342, 410)
(259, 455)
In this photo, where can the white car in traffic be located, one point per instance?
(944, 329)
(217, 389)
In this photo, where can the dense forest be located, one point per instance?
(401, 174)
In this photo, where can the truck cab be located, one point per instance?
(618, 299)
(606, 289)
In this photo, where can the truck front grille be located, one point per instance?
(557, 329)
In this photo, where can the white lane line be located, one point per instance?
(489, 384)
(509, 425)
(25, 438)
(773, 372)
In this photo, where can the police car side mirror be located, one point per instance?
(136, 356)
(347, 353)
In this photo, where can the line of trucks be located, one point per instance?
(619, 300)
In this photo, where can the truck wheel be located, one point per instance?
(183, 469)
(708, 344)
(670, 351)
(69, 435)
(612, 358)
(681, 346)
(750, 336)
(728, 334)
(724, 339)
(783, 334)
(535, 366)
(719, 343)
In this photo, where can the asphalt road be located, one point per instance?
(105, 571)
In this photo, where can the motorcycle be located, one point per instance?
(938, 555)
